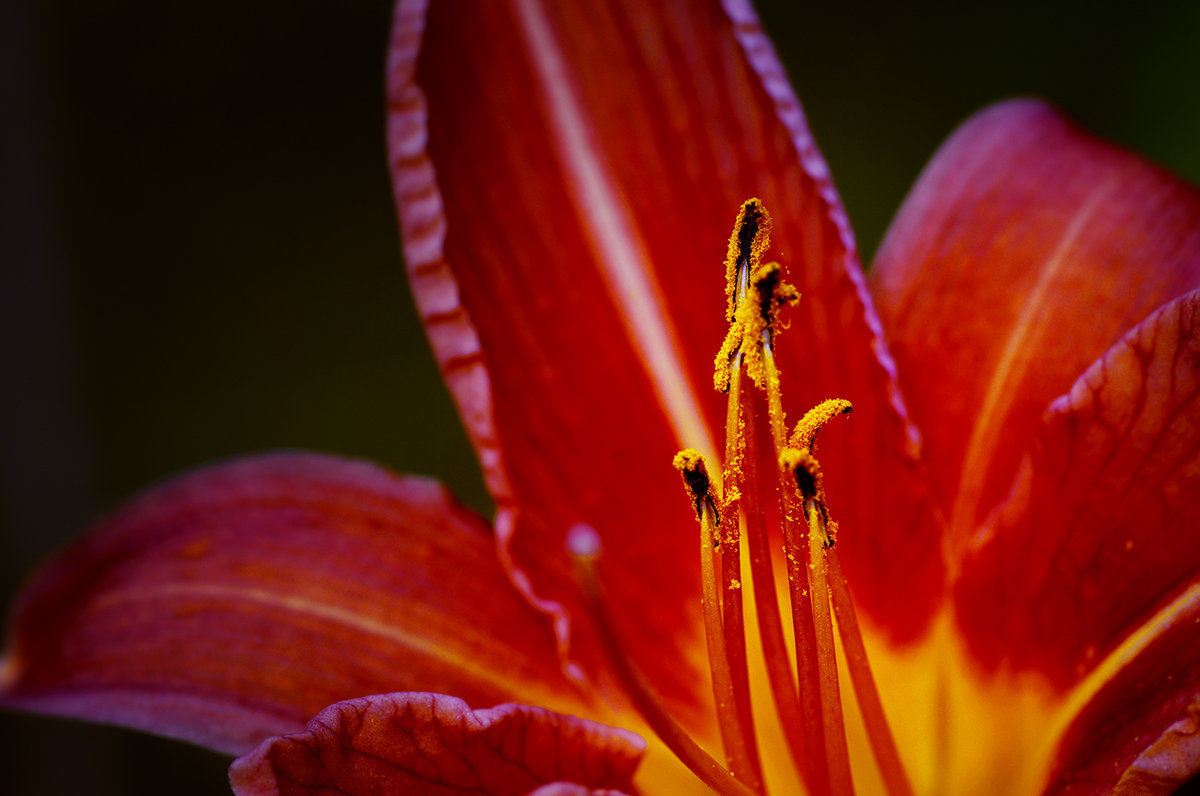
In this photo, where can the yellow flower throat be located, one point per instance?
(804, 687)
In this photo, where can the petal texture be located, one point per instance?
(431, 744)
(1101, 532)
(1139, 733)
(567, 175)
(235, 602)
(1025, 250)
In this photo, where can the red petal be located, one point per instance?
(1101, 532)
(431, 744)
(567, 175)
(1026, 249)
(1140, 729)
(235, 602)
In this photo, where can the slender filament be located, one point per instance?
(879, 733)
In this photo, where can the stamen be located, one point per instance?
(586, 551)
(694, 472)
(819, 772)
(809, 482)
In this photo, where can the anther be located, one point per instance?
(772, 293)
(806, 471)
(750, 238)
(690, 464)
(805, 434)
(756, 322)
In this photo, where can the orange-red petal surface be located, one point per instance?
(235, 602)
(1139, 734)
(430, 745)
(1101, 532)
(1026, 249)
(567, 175)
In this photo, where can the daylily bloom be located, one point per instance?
(1016, 492)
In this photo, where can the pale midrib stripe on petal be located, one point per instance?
(614, 238)
(1011, 368)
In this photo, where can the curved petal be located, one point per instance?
(431, 744)
(1024, 251)
(566, 176)
(1101, 532)
(1138, 734)
(235, 602)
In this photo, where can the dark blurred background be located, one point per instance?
(198, 256)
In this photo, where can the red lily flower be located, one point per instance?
(1016, 491)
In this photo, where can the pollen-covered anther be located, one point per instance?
(757, 316)
(772, 293)
(805, 433)
(750, 238)
(692, 468)
(806, 471)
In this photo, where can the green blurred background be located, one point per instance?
(199, 257)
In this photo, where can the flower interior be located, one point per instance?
(770, 494)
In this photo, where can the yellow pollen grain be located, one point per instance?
(814, 419)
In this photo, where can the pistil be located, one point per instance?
(737, 735)
(828, 767)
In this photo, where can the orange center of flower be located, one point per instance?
(805, 686)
